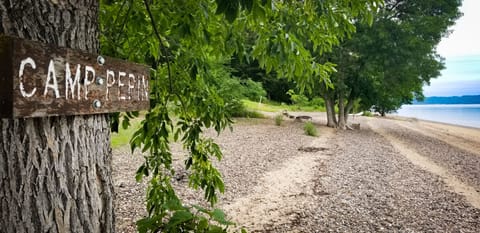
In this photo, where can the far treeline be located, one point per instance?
(466, 99)
(208, 55)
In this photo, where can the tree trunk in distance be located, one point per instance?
(348, 108)
(55, 172)
(330, 107)
(342, 124)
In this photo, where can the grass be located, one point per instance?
(124, 135)
(248, 113)
(310, 129)
(270, 106)
(262, 107)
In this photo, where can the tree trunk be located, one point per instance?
(342, 124)
(55, 172)
(330, 107)
(348, 109)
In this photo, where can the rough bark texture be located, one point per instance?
(348, 108)
(342, 122)
(55, 173)
(330, 107)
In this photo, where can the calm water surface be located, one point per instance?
(458, 114)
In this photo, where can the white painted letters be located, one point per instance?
(109, 84)
(31, 62)
(51, 77)
(63, 79)
(120, 84)
(86, 82)
(72, 83)
(131, 85)
(145, 88)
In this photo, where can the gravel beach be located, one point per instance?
(392, 175)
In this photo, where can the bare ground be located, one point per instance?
(392, 175)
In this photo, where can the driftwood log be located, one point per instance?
(297, 118)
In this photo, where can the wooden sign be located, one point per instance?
(38, 80)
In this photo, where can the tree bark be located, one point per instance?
(330, 107)
(342, 124)
(55, 172)
(348, 108)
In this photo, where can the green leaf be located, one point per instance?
(178, 218)
(147, 224)
(216, 229)
(141, 171)
(202, 224)
(219, 216)
(125, 123)
(174, 204)
(201, 209)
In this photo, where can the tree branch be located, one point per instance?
(162, 46)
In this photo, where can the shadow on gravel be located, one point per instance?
(311, 149)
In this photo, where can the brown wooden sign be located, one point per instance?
(38, 80)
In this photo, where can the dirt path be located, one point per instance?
(284, 191)
(470, 193)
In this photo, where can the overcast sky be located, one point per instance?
(462, 53)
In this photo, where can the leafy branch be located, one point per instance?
(188, 55)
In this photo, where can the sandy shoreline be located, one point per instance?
(463, 137)
(391, 175)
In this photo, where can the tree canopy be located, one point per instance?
(386, 64)
(187, 43)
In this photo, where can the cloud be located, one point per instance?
(465, 37)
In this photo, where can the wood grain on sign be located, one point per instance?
(39, 80)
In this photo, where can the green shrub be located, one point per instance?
(310, 129)
(317, 102)
(253, 90)
(298, 99)
(278, 119)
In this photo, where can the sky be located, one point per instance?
(461, 50)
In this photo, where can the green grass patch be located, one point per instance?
(310, 129)
(264, 107)
(247, 113)
(270, 106)
(123, 136)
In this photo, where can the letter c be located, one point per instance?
(31, 62)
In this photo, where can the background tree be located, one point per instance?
(276, 88)
(386, 65)
(55, 172)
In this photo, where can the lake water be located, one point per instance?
(457, 114)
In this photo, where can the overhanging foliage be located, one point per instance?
(183, 41)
